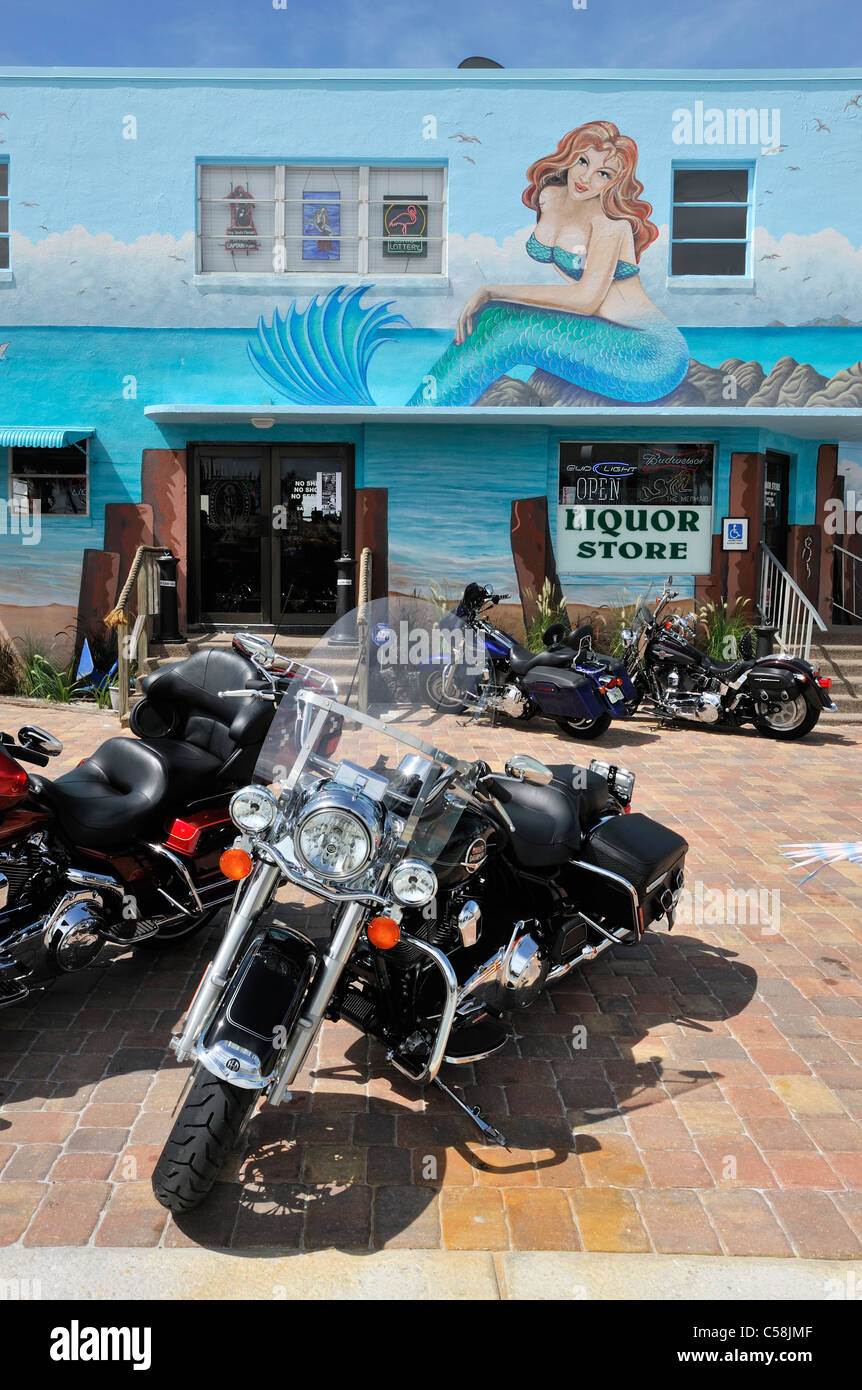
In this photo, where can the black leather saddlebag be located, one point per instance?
(646, 854)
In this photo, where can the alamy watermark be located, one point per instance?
(20, 517)
(736, 125)
(730, 907)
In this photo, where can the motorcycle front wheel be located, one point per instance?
(585, 728)
(793, 719)
(442, 691)
(200, 1142)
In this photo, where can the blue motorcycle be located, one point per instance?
(579, 688)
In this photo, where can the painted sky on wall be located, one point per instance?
(351, 33)
(132, 245)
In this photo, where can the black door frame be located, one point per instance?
(783, 462)
(270, 559)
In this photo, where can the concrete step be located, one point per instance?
(848, 636)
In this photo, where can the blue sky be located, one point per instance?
(393, 33)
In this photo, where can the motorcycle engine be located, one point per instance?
(74, 931)
(509, 700)
(691, 696)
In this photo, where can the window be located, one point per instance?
(54, 481)
(711, 220)
(4, 214)
(316, 219)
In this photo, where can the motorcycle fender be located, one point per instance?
(255, 1018)
(788, 665)
(565, 693)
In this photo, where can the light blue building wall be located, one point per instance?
(115, 321)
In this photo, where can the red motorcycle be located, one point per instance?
(124, 849)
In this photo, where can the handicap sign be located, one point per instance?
(734, 533)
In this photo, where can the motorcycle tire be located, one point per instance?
(201, 1141)
(439, 693)
(585, 728)
(807, 710)
(179, 931)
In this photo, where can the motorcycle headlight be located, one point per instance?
(626, 636)
(253, 810)
(337, 834)
(413, 883)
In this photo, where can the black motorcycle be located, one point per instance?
(124, 849)
(581, 689)
(782, 696)
(457, 893)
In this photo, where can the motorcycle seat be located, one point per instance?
(121, 793)
(550, 820)
(205, 741)
(728, 670)
(522, 660)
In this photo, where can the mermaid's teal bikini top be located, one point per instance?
(570, 263)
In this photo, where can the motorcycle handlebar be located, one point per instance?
(250, 694)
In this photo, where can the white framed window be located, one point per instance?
(58, 480)
(343, 220)
(711, 220)
(4, 214)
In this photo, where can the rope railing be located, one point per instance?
(118, 616)
(134, 645)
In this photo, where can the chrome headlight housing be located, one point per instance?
(627, 637)
(253, 810)
(413, 883)
(337, 833)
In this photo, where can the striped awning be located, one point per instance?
(42, 436)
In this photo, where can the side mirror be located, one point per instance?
(39, 740)
(255, 647)
(527, 769)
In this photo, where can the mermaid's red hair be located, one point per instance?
(620, 197)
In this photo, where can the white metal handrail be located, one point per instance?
(783, 606)
(853, 591)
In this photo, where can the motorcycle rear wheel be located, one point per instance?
(585, 728)
(794, 723)
(200, 1142)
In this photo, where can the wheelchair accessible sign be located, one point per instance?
(634, 539)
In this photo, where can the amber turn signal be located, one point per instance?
(235, 863)
(384, 933)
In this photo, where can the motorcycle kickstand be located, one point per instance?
(490, 1133)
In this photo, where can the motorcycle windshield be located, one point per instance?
(363, 721)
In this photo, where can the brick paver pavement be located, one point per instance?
(699, 1094)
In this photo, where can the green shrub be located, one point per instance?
(724, 627)
(10, 668)
(549, 611)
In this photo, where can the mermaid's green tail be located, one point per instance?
(626, 364)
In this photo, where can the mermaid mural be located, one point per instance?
(597, 329)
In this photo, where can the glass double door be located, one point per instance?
(267, 526)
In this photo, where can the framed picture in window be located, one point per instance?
(321, 226)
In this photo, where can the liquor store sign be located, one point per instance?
(634, 509)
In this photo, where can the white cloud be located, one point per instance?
(76, 278)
